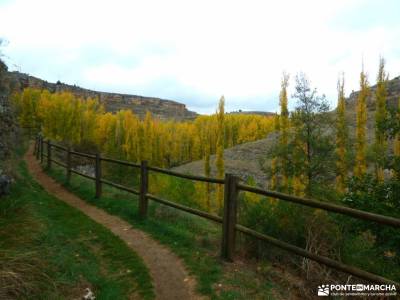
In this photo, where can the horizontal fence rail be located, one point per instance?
(120, 162)
(92, 156)
(232, 188)
(59, 163)
(359, 214)
(193, 211)
(187, 176)
(321, 259)
(83, 174)
(59, 147)
(120, 186)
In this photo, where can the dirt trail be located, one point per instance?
(170, 279)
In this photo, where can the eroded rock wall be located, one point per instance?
(161, 108)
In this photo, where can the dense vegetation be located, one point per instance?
(318, 143)
(83, 123)
(329, 163)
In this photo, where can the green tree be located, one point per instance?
(312, 148)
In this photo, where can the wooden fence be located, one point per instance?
(232, 188)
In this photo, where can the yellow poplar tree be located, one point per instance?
(274, 163)
(380, 117)
(360, 162)
(148, 137)
(284, 127)
(341, 138)
(27, 104)
(75, 121)
(220, 149)
(207, 167)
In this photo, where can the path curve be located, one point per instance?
(170, 278)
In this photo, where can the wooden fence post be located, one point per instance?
(37, 148)
(48, 154)
(41, 149)
(229, 218)
(144, 184)
(98, 175)
(68, 177)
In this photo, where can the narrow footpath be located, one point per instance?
(170, 278)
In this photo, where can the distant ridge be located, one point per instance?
(160, 108)
(252, 112)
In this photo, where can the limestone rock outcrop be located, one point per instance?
(160, 108)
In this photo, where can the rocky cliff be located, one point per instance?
(163, 109)
(393, 95)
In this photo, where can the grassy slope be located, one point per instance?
(195, 240)
(49, 250)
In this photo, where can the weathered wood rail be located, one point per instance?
(232, 188)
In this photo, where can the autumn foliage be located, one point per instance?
(341, 139)
(360, 167)
(84, 123)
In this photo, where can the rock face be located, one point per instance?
(8, 131)
(160, 108)
(5, 184)
(8, 123)
(393, 95)
(8, 128)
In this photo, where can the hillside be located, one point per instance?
(160, 108)
(245, 160)
(250, 159)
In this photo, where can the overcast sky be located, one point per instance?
(196, 51)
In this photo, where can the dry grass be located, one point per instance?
(21, 266)
(21, 274)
